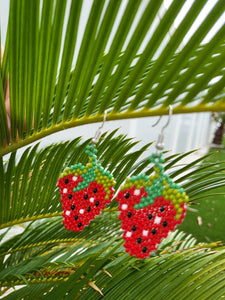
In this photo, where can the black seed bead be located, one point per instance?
(144, 249)
(150, 216)
(95, 190)
(129, 214)
(72, 206)
(127, 195)
(70, 196)
(66, 180)
(97, 203)
(139, 240)
(134, 228)
(164, 223)
(76, 217)
(162, 208)
(86, 196)
(79, 224)
(154, 231)
(88, 209)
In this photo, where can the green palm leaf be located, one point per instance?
(130, 277)
(36, 250)
(139, 75)
(65, 68)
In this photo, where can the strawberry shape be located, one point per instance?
(85, 191)
(150, 207)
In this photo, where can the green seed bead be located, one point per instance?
(179, 210)
(179, 200)
(177, 217)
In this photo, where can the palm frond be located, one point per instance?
(67, 62)
(73, 263)
(133, 59)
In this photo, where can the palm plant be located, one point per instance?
(65, 72)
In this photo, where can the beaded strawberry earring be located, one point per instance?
(85, 190)
(150, 207)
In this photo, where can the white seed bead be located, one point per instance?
(124, 206)
(145, 232)
(157, 220)
(128, 234)
(137, 192)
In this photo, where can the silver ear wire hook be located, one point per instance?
(160, 145)
(99, 132)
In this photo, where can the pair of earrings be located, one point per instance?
(149, 207)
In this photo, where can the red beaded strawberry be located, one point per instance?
(150, 207)
(85, 191)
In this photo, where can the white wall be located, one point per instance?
(185, 131)
(4, 12)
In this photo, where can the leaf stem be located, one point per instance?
(38, 217)
(70, 240)
(29, 219)
(129, 114)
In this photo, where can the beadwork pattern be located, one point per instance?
(150, 207)
(85, 190)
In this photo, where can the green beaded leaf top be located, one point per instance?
(157, 185)
(93, 171)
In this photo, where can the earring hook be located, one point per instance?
(160, 144)
(99, 132)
